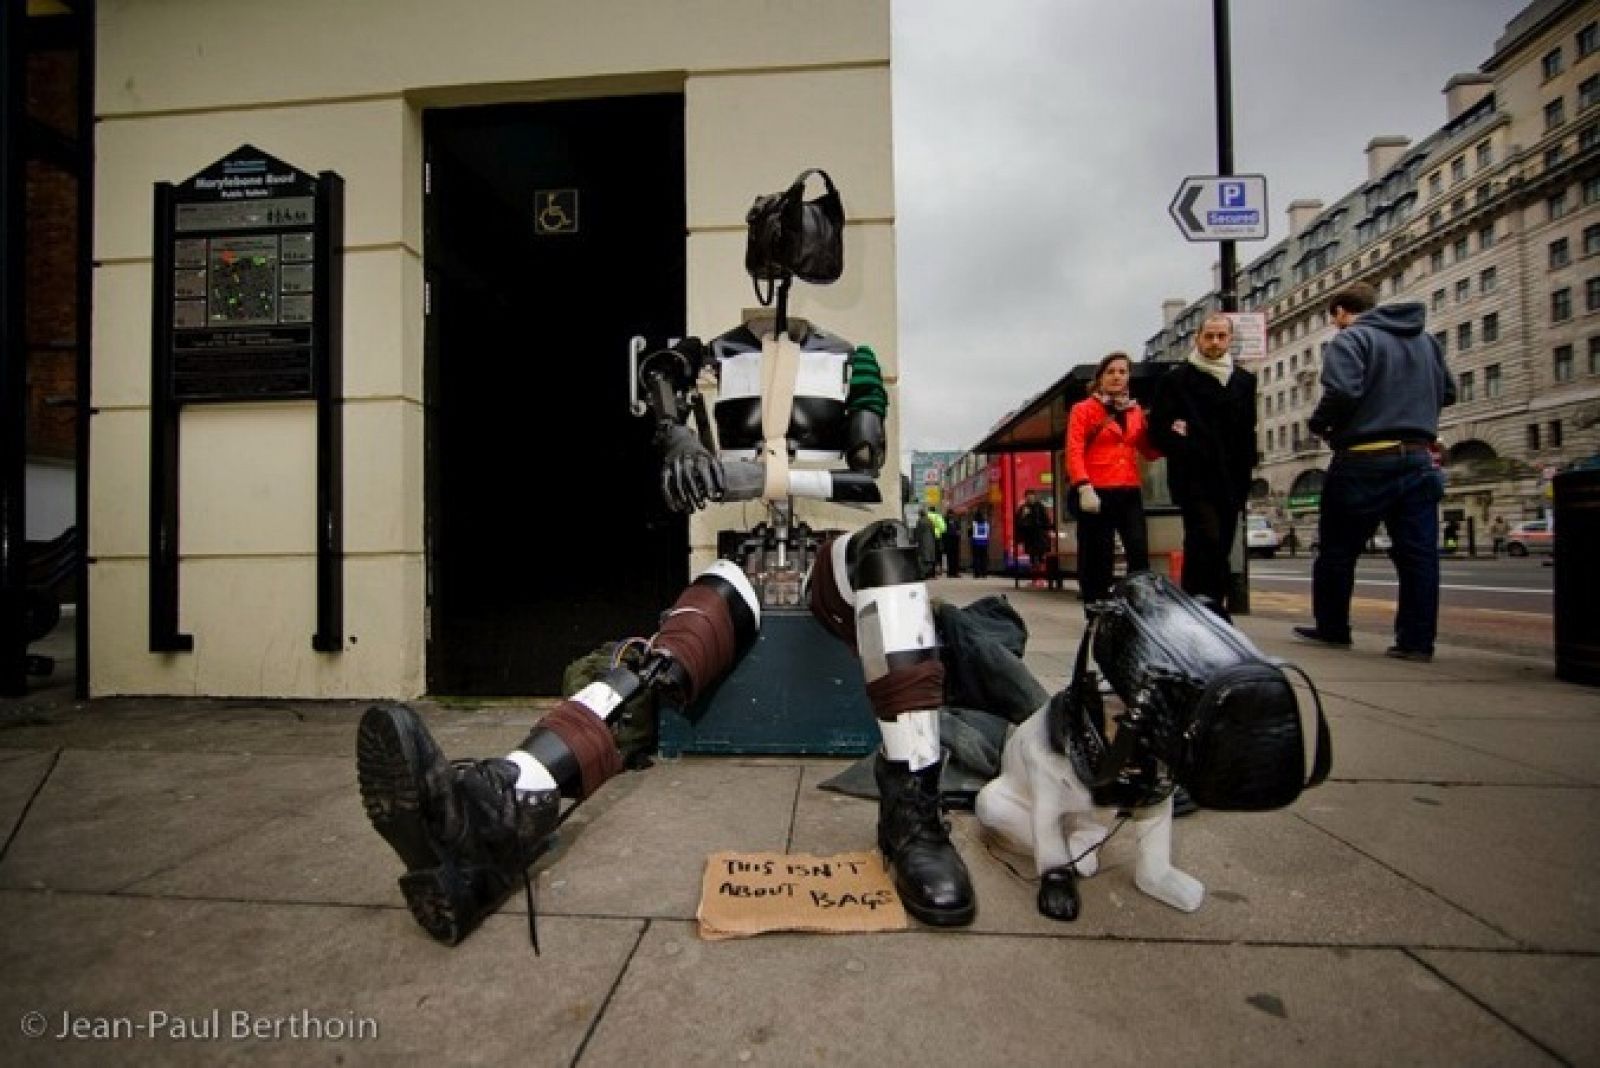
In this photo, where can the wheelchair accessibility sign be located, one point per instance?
(555, 211)
(1221, 208)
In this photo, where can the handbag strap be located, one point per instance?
(798, 189)
(1322, 760)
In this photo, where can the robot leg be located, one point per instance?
(467, 830)
(875, 572)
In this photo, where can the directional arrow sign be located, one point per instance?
(1221, 207)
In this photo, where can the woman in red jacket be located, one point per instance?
(1105, 438)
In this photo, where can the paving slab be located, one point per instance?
(21, 772)
(488, 1001)
(1270, 877)
(108, 819)
(1566, 748)
(783, 999)
(1375, 746)
(1549, 997)
(638, 847)
(1522, 859)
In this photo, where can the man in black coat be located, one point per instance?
(1204, 421)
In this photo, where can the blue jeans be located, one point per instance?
(1403, 492)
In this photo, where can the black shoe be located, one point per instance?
(1312, 634)
(1416, 655)
(463, 831)
(1058, 893)
(914, 836)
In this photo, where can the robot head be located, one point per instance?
(789, 236)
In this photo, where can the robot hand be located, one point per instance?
(691, 476)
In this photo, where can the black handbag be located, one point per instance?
(1200, 698)
(788, 236)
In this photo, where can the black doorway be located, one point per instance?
(554, 233)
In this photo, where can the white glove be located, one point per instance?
(1088, 499)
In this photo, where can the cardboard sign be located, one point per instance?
(747, 894)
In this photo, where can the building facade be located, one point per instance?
(375, 91)
(1493, 223)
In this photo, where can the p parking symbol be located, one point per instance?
(1230, 194)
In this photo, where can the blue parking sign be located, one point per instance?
(1230, 194)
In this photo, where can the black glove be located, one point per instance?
(690, 475)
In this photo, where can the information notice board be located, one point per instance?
(247, 297)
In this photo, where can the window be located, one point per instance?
(1556, 206)
(1561, 363)
(1533, 437)
(1491, 381)
(1553, 156)
(1591, 294)
(1555, 433)
(1591, 189)
(1485, 154)
(1467, 387)
(1436, 260)
(1464, 336)
(1486, 237)
(1487, 280)
(1463, 290)
(1589, 136)
(1591, 239)
(1551, 64)
(1435, 184)
(1438, 300)
(1555, 113)
(1435, 219)
(1594, 355)
(1461, 249)
(1457, 206)
(1561, 305)
(1559, 257)
(1491, 328)
(1589, 92)
(1588, 40)
(1294, 396)
(1441, 339)
(1458, 170)
(1294, 362)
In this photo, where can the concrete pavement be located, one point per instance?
(193, 880)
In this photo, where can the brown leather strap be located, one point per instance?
(590, 741)
(910, 689)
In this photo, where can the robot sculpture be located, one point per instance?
(790, 392)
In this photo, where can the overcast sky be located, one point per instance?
(1039, 142)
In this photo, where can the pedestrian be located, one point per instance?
(1498, 531)
(978, 535)
(1291, 541)
(1033, 534)
(938, 523)
(1106, 435)
(1384, 382)
(927, 543)
(952, 547)
(1203, 418)
(1452, 536)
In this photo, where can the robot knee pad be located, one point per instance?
(709, 627)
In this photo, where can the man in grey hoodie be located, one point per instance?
(1384, 382)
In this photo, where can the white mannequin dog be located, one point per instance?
(1038, 805)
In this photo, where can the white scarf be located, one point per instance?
(1221, 369)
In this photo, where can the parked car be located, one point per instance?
(1534, 536)
(1259, 537)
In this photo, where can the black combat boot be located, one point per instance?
(929, 874)
(462, 830)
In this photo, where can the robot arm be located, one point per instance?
(691, 474)
(867, 404)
